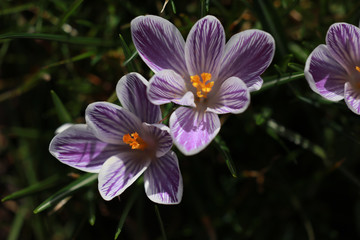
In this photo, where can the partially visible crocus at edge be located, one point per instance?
(333, 70)
(204, 75)
(121, 143)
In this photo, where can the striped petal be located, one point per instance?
(247, 55)
(352, 98)
(160, 137)
(193, 130)
(204, 47)
(163, 180)
(168, 86)
(325, 75)
(110, 122)
(78, 147)
(343, 41)
(119, 172)
(131, 91)
(159, 43)
(232, 97)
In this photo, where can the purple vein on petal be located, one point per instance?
(131, 91)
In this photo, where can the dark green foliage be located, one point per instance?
(293, 156)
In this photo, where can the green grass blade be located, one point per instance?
(29, 84)
(112, 98)
(126, 211)
(130, 58)
(221, 146)
(204, 7)
(91, 198)
(17, 223)
(131, 66)
(71, 10)
(160, 222)
(17, 9)
(61, 38)
(298, 51)
(79, 183)
(173, 6)
(297, 139)
(35, 188)
(296, 67)
(61, 111)
(271, 21)
(276, 80)
(73, 59)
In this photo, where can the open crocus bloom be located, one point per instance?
(203, 74)
(333, 70)
(120, 143)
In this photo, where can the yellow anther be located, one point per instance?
(134, 141)
(203, 86)
(357, 68)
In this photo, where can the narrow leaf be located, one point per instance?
(79, 183)
(126, 211)
(35, 188)
(71, 10)
(17, 9)
(279, 80)
(112, 98)
(17, 223)
(131, 58)
(73, 59)
(173, 6)
(29, 84)
(297, 139)
(204, 7)
(221, 146)
(271, 22)
(127, 53)
(61, 38)
(61, 111)
(160, 222)
(91, 198)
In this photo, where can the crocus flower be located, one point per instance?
(333, 70)
(121, 143)
(205, 75)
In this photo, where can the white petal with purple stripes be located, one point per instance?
(343, 41)
(352, 98)
(160, 136)
(193, 130)
(247, 55)
(163, 180)
(78, 147)
(168, 86)
(232, 97)
(119, 172)
(204, 47)
(325, 75)
(159, 43)
(110, 122)
(131, 91)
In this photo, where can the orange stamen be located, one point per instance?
(203, 86)
(134, 141)
(357, 68)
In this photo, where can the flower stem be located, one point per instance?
(160, 222)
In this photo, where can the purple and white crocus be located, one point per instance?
(333, 70)
(204, 75)
(121, 143)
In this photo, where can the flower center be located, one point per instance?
(134, 141)
(357, 68)
(203, 85)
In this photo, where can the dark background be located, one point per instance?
(296, 155)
